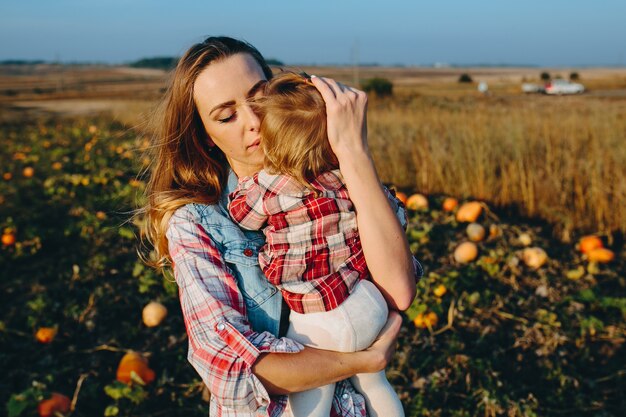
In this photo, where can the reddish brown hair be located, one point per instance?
(184, 168)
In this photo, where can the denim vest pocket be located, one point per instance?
(244, 258)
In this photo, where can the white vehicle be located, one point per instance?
(532, 88)
(563, 87)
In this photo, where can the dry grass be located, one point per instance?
(559, 158)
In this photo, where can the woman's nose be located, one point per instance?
(254, 123)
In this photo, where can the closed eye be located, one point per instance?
(227, 119)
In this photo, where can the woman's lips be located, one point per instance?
(255, 143)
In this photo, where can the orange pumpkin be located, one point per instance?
(57, 403)
(417, 202)
(402, 197)
(7, 176)
(134, 362)
(449, 204)
(46, 334)
(469, 212)
(601, 255)
(431, 319)
(8, 239)
(475, 232)
(440, 290)
(153, 314)
(535, 257)
(424, 320)
(466, 252)
(28, 172)
(589, 243)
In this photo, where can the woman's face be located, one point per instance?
(220, 93)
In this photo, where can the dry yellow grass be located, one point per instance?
(560, 158)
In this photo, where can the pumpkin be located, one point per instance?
(28, 172)
(417, 202)
(57, 403)
(600, 255)
(424, 320)
(534, 257)
(589, 243)
(402, 197)
(8, 239)
(440, 290)
(449, 204)
(419, 321)
(494, 231)
(133, 362)
(431, 319)
(46, 334)
(525, 239)
(469, 212)
(153, 314)
(475, 232)
(465, 252)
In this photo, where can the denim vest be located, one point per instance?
(240, 248)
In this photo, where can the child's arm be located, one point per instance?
(246, 204)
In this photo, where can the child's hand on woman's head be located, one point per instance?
(346, 115)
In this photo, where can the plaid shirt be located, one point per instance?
(222, 345)
(313, 252)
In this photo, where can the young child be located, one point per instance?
(312, 253)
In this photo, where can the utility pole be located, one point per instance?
(355, 63)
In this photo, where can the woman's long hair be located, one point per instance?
(184, 168)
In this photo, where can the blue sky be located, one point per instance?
(546, 33)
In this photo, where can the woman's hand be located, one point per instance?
(382, 350)
(346, 109)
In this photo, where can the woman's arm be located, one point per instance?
(239, 366)
(312, 368)
(383, 240)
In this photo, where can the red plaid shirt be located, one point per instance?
(313, 252)
(222, 345)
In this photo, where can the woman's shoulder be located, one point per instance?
(213, 219)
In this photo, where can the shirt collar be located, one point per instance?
(231, 184)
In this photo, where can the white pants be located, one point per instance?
(352, 326)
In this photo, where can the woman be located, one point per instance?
(208, 138)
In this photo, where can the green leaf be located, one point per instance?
(17, 404)
(127, 233)
(111, 411)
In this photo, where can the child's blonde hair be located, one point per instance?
(293, 128)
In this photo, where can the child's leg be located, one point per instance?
(352, 326)
(380, 397)
(312, 403)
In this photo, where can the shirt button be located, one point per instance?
(221, 327)
(248, 252)
(345, 396)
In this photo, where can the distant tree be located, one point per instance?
(545, 76)
(465, 78)
(165, 63)
(380, 86)
(574, 76)
(274, 61)
(558, 77)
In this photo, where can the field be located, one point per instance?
(493, 336)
